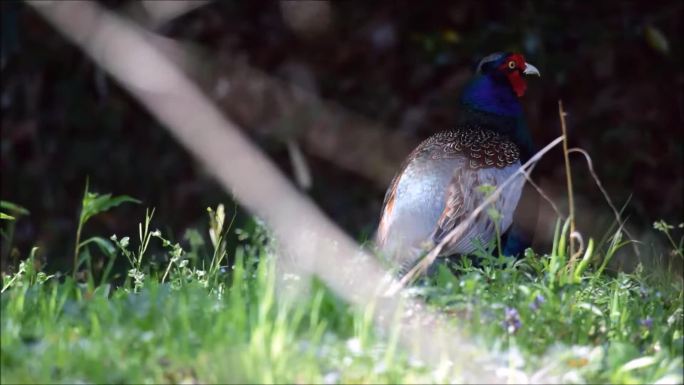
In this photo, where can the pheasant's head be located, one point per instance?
(491, 98)
(508, 67)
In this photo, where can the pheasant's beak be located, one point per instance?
(531, 70)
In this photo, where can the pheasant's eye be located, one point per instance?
(511, 64)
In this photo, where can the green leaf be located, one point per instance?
(620, 353)
(6, 217)
(94, 204)
(638, 363)
(592, 308)
(83, 256)
(105, 245)
(486, 189)
(582, 266)
(657, 40)
(13, 208)
(445, 277)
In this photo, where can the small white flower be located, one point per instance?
(354, 346)
(331, 378)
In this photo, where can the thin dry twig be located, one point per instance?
(568, 176)
(594, 175)
(543, 194)
(300, 167)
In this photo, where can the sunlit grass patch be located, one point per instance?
(188, 316)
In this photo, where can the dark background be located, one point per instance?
(617, 66)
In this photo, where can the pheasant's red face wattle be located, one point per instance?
(513, 67)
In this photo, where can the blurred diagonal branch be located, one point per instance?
(281, 109)
(156, 13)
(124, 50)
(275, 108)
(325, 129)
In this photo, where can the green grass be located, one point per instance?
(186, 315)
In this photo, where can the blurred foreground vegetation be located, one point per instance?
(183, 315)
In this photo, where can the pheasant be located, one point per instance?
(438, 186)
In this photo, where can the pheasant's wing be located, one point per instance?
(490, 158)
(454, 208)
(462, 198)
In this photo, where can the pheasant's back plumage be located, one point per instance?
(483, 147)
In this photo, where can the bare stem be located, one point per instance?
(76, 248)
(568, 176)
(594, 175)
(81, 220)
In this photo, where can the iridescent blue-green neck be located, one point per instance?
(491, 93)
(489, 102)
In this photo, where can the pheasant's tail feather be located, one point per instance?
(387, 207)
